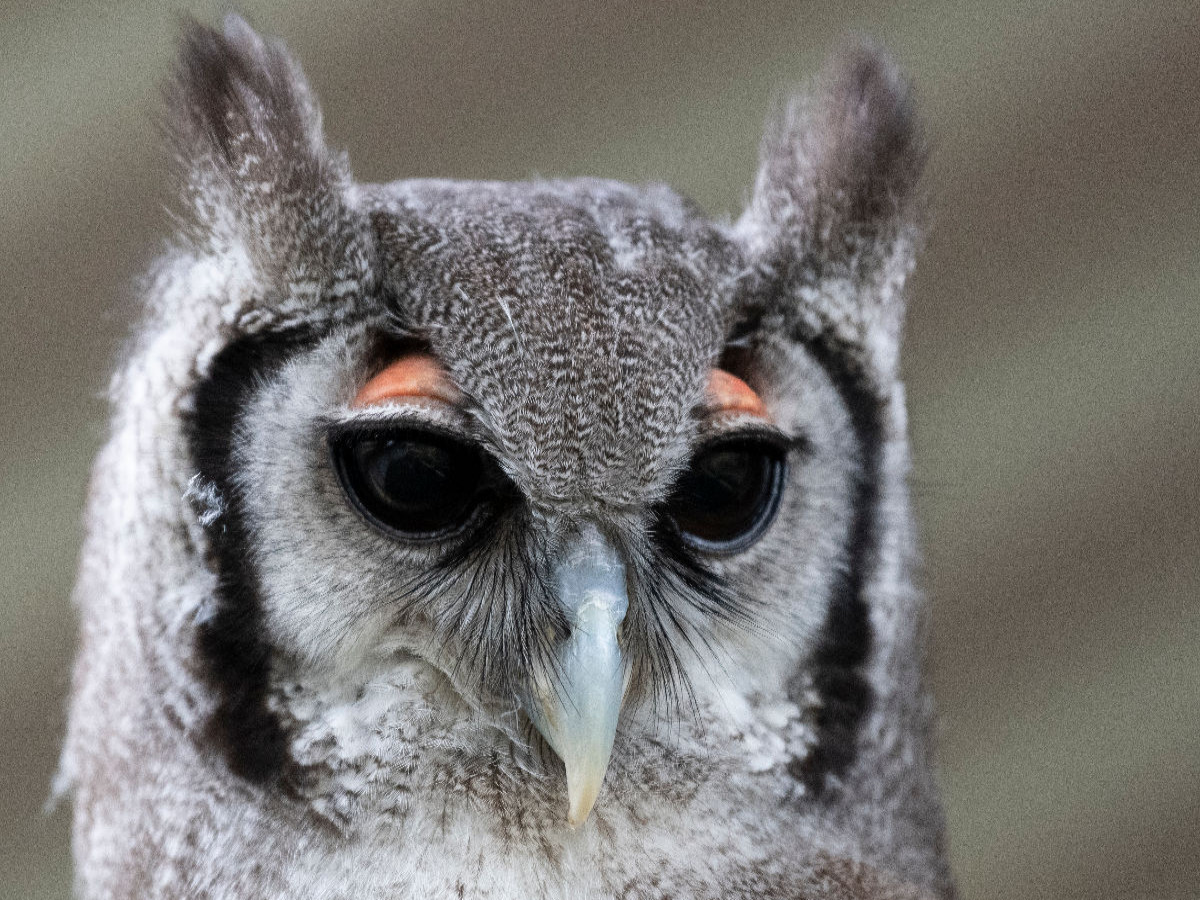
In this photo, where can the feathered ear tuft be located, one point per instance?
(251, 155)
(243, 99)
(844, 163)
(835, 203)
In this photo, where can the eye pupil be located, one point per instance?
(729, 494)
(412, 483)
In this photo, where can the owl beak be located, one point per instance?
(576, 709)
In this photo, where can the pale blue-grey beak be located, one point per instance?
(577, 713)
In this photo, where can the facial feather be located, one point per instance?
(319, 704)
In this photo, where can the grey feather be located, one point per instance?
(273, 698)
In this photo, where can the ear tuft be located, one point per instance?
(832, 224)
(240, 102)
(841, 167)
(253, 164)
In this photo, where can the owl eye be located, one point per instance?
(729, 494)
(412, 483)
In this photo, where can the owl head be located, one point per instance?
(562, 479)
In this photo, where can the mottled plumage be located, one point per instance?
(274, 698)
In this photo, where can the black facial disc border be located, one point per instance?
(231, 642)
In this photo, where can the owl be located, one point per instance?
(508, 540)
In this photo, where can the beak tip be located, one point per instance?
(580, 808)
(583, 787)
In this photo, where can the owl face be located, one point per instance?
(415, 477)
(564, 465)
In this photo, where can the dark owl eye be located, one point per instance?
(729, 494)
(412, 483)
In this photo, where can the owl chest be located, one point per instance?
(402, 802)
(478, 845)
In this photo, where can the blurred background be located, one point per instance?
(1051, 356)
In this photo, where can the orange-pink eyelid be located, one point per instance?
(417, 375)
(729, 394)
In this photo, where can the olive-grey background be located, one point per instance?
(1051, 351)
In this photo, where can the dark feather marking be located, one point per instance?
(846, 636)
(232, 646)
(838, 182)
(845, 639)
